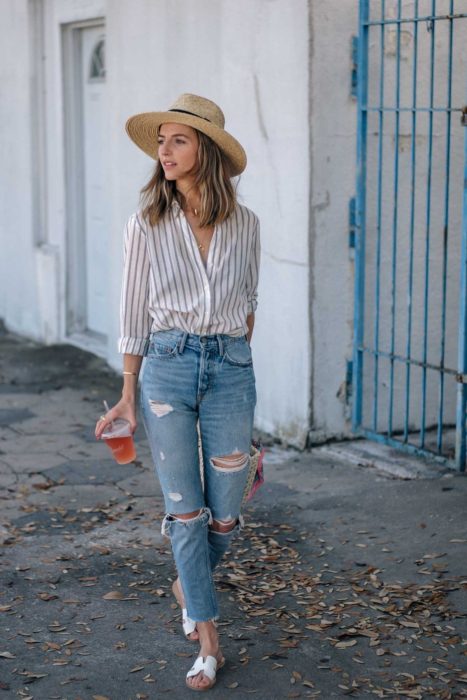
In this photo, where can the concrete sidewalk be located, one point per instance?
(345, 581)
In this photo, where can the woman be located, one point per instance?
(188, 302)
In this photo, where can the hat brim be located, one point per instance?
(143, 128)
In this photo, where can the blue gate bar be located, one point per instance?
(427, 230)
(439, 438)
(394, 221)
(411, 109)
(461, 412)
(412, 361)
(378, 224)
(360, 216)
(412, 228)
(426, 18)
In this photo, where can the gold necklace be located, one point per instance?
(201, 246)
(193, 210)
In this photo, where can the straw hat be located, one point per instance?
(194, 111)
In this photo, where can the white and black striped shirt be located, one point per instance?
(166, 284)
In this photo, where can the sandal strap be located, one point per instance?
(188, 624)
(206, 664)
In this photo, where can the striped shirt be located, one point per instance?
(166, 284)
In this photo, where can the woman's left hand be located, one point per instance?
(123, 409)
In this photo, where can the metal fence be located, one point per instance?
(410, 349)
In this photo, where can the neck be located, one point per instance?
(190, 195)
(187, 188)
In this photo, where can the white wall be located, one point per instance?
(250, 56)
(333, 161)
(18, 295)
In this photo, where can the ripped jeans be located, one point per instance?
(207, 380)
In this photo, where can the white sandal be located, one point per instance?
(207, 665)
(188, 625)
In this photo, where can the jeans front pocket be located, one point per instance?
(238, 353)
(164, 348)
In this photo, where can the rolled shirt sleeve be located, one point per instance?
(253, 271)
(135, 320)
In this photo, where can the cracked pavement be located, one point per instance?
(345, 580)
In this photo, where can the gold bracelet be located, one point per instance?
(132, 373)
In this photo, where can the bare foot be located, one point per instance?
(180, 598)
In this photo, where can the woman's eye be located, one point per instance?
(180, 141)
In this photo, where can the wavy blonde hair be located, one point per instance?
(213, 180)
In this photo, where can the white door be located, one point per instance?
(93, 100)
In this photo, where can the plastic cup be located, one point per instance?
(119, 439)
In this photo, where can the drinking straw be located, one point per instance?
(107, 408)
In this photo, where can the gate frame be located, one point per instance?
(459, 461)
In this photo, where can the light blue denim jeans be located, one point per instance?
(190, 380)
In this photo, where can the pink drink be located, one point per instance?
(119, 439)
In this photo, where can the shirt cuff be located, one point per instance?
(252, 305)
(133, 346)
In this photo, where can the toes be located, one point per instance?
(198, 681)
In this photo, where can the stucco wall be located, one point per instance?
(18, 287)
(333, 159)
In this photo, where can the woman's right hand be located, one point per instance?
(123, 409)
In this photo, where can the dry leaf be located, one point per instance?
(44, 595)
(113, 595)
(345, 645)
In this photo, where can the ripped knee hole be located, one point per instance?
(234, 462)
(184, 516)
(224, 525)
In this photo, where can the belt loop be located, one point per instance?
(181, 346)
(220, 344)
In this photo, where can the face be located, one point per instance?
(178, 151)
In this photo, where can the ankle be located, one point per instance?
(208, 634)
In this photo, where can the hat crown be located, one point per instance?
(199, 107)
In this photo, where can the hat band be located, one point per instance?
(184, 111)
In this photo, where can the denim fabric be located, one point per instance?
(207, 379)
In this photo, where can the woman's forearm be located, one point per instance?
(250, 322)
(131, 364)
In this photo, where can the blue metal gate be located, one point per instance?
(410, 348)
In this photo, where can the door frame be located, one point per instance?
(75, 262)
